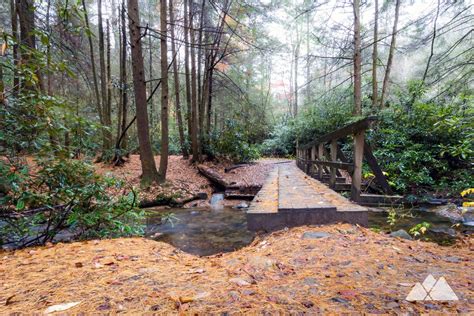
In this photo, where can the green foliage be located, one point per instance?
(427, 147)
(63, 195)
(234, 142)
(419, 229)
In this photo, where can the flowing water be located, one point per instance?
(222, 229)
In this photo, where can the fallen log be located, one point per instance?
(163, 201)
(214, 176)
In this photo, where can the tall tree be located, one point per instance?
(14, 24)
(107, 135)
(93, 66)
(357, 61)
(149, 172)
(375, 56)
(194, 117)
(164, 90)
(391, 52)
(26, 17)
(123, 76)
(186, 68)
(179, 118)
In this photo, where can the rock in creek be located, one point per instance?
(401, 234)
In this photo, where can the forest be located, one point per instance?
(120, 118)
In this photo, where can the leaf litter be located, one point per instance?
(356, 272)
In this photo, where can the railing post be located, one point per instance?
(332, 179)
(313, 158)
(357, 173)
(320, 157)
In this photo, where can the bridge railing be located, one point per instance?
(313, 157)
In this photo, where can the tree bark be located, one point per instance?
(26, 16)
(106, 133)
(179, 119)
(357, 61)
(164, 91)
(390, 56)
(123, 77)
(186, 69)
(194, 118)
(14, 23)
(375, 57)
(432, 44)
(93, 68)
(149, 172)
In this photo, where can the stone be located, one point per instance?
(444, 230)
(315, 235)
(241, 205)
(449, 211)
(401, 233)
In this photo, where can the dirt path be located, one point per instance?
(352, 269)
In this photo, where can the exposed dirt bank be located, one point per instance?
(351, 270)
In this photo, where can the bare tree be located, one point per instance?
(357, 61)
(194, 118)
(391, 52)
(375, 56)
(179, 118)
(149, 172)
(164, 91)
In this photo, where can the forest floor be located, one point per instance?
(183, 179)
(351, 269)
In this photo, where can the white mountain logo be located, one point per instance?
(432, 290)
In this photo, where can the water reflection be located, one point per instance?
(201, 231)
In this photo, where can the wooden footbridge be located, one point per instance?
(296, 193)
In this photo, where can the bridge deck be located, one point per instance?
(291, 198)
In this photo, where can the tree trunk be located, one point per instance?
(186, 69)
(94, 71)
(194, 118)
(123, 76)
(106, 133)
(390, 56)
(432, 42)
(200, 80)
(375, 57)
(26, 15)
(179, 119)
(149, 172)
(357, 61)
(14, 22)
(164, 91)
(297, 53)
(108, 107)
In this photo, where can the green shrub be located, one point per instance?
(63, 195)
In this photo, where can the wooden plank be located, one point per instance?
(372, 162)
(320, 157)
(334, 164)
(357, 173)
(332, 179)
(350, 129)
(314, 154)
(328, 158)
